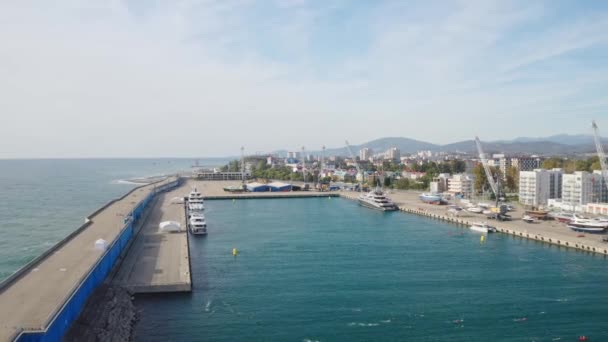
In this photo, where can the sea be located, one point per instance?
(320, 269)
(43, 200)
(326, 269)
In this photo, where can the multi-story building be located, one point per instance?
(580, 188)
(461, 184)
(538, 186)
(293, 155)
(439, 184)
(526, 163)
(603, 187)
(394, 154)
(366, 153)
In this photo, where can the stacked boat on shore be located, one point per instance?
(583, 224)
(195, 208)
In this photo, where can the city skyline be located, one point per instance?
(202, 78)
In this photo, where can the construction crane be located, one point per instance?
(352, 155)
(486, 167)
(600, 152)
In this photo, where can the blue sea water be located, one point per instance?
(42, 201)
(329, 270)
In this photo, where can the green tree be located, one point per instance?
(553, 163)
(402, 184)
(512, 179)
(458, 166)
(480, 178)
(387, 181)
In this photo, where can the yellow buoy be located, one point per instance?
(234, 252)
(482, 239)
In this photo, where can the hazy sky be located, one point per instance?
(201, 78)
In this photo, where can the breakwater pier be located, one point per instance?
(42, 299)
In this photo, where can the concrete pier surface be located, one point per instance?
(30, 301)
(159, 261)
(549, 231)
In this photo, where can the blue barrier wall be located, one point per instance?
(74, 305)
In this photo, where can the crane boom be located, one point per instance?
(600, 151)
(486, 167)
(354, 160)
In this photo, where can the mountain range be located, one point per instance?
(562, 144)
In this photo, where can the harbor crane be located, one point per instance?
(352, 155)
(600, 152)
(486, 168)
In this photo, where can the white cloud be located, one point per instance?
(202, 78)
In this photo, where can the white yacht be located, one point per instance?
(581, 223)
(196, 206)
(376, 199)
(198, 225)
(482, 227)
(195, 196)
(195, 201)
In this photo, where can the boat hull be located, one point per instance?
(432, 199)
(591, 230)
(479, 229)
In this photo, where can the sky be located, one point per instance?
(202, 78)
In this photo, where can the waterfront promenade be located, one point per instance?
(31, 299)
(159, 261)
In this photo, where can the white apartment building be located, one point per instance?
(461, 184)
(581, 188)
(440, 183)
(366, 153)
(538, 186)
(603, 188)
(393, 154)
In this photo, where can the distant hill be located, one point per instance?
(514, 147)
(566, 139)
(553, 145)
(405, 145)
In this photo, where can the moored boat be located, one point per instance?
(482, 227)
(376, 199)
(197, 225)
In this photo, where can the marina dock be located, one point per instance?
(159, 261)
(44, 297)
(549, 231)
